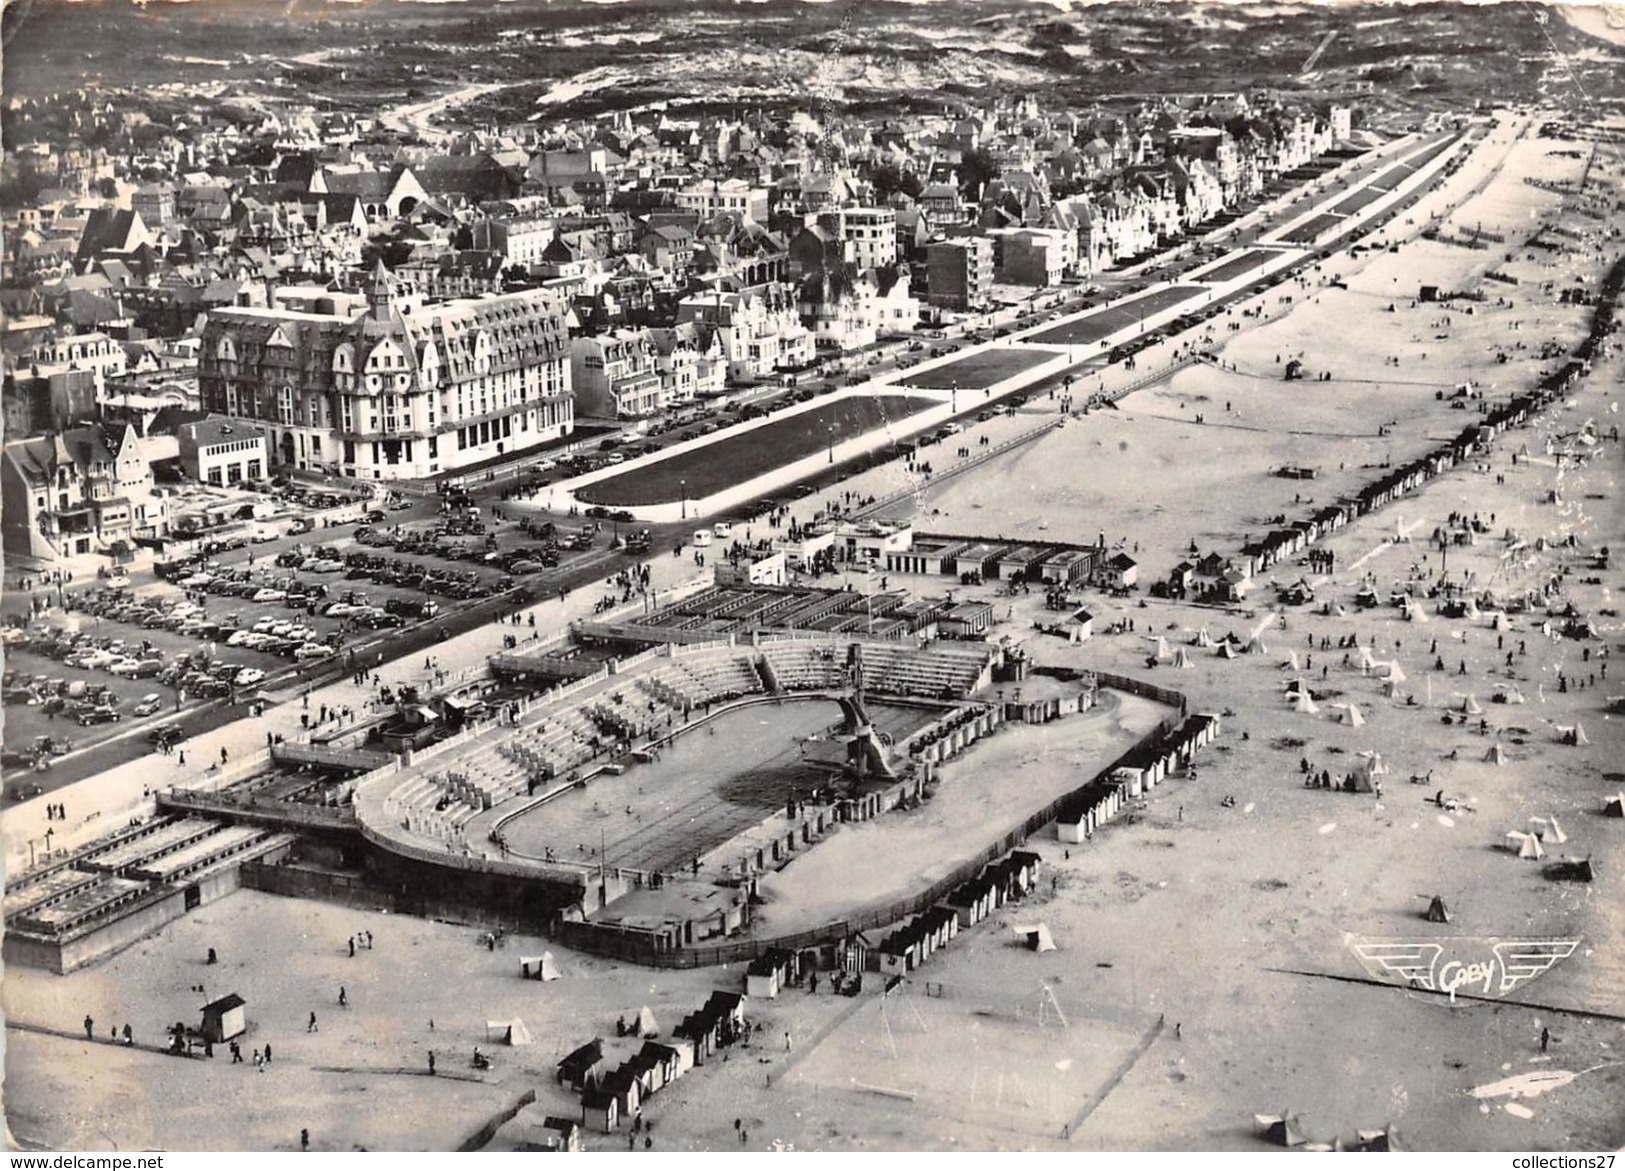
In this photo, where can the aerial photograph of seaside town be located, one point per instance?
(902, 575)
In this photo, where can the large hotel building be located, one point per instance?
(403, 390)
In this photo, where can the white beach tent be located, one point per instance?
(1036, 936)
(1203, 638)
(1291, 663)
(1471, 707)
(1226, 650)
(1181, 659)
(508, 1032)
(1525, 845)
(1304, 704)
(1162, 648)
(1547, 830)
(1352, 716)
(540, 967)
(1614, 806)
(1416, 613)
(1395, 675)
(646, 1023)
(1255, 646)
(1367, 663)
(1496, 755)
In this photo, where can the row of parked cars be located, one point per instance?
(294, 640)
(462, 585)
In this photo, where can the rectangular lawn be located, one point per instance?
(1107, 321)
(978, 371)
(735, 458)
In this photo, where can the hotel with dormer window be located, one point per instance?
(387, 387)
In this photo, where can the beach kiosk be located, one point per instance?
(225, 1018)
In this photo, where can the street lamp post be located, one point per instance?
(830, 428)
(682, 488)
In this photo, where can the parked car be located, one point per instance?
(149, 705)
(100, 714)
(248, 676)
(313, 650)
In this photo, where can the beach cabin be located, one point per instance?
(625, 1087)
(941, 925)
(897, 953)
(577, 1070)
(558, 1134)
(1021, 869)
(1015, 563)
(965, 620)
(701, 1033)
(1121, 572)
(729, 1009)
(647, 1071)
(667, 1061)
(1065, 567)
(971, 902)
(225, 1018)
(769, 972)
(600, 1110)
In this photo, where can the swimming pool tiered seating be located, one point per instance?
(933, 674)
(711, 677)
(807, 666)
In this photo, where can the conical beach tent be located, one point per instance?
(1395, 675)
(1502, 623)
(1496, 755)
(1511, 695)
(1437, 912)
(1366, 661)
(1527, 845)
(1547, 830)
(1255, 646)
(1293, 686)
(1227, 650)
(1162, 648)
(1035, 937)
(1203, 638)
(1304, 704)
(1181, 659)
(1471, 707)
(1580, 738)
(1417, 614)
(1614, 806)
(1352, 716)
(1282, 1132)
(1291, 663)
(508, 1032)
(539, 967)
(1473, 612)
(646, 1023)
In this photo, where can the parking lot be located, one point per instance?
(227, 626)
